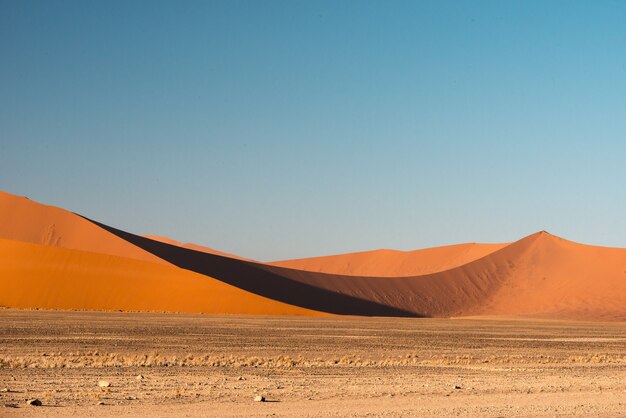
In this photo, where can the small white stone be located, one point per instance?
(103, 384)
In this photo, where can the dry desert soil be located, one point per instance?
(200, 365)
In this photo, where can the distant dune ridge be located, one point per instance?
(394, 263)
(53, 258)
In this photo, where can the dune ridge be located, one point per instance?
(393, 263)
(80, 263)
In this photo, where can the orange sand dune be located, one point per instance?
(25, 220)
(40, 276)
(393, 263)
(192, 246)
(51, 258)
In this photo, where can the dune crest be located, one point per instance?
(394, 263)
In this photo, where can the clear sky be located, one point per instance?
(280, 129)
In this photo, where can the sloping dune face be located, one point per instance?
(29, 221)
(392, 263)
(39, 276)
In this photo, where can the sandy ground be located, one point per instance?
(193, 366)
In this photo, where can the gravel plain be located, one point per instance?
(200, 365)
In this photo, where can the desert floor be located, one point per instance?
(194, 365)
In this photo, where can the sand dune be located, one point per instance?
(557, 278)
(55, 259)
(393, 263)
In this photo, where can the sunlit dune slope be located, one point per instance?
(393, 263)
(25, 220)
(39, 276)
(557, 278)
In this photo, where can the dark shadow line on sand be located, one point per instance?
(253, 278)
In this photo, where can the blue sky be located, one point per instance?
(288, 129)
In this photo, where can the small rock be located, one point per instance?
(241, 378)
(10, 405)
(457, 387)
(5, 390)
(104, 384)
(100, 403)
(259, 398)
(34, 402)
(139, 377)
(130, 398)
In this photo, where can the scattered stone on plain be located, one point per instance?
(259, 398)
(104, 384)
(34, 402)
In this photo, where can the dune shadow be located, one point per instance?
(255, 278)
